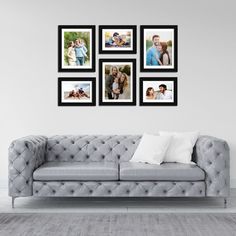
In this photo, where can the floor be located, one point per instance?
(116, 205)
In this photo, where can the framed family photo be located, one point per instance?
(158, 91)
(76, 48)
(117, 82)
(117, 39)
(159, 48)
(76, 91)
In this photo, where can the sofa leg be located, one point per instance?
(225, 202)
(13, 202)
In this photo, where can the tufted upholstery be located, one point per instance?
(25, 155)
(119, 189)
(116, 148)
(212, 155)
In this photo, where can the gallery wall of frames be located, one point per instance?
(117, 77)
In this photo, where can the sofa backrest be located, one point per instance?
(87, 148)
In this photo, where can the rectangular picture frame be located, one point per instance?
(78, 91)
(158, 48)
(125, 84)
(158, 91)
(117, 39)
(80, 57)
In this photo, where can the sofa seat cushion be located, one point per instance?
(138, 171)
(77, 171)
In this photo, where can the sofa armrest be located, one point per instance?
(212, 155)
(25, 155)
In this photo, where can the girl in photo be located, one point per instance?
(150, 93)
(71, 54)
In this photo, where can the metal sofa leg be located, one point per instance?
(12, 202)
(225, 202)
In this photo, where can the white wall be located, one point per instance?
(28, 70)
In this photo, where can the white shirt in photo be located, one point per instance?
(166, 96)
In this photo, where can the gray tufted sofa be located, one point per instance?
(98, 166)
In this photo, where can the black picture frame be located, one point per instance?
(175, 43)
(101, 81)
(61, 67)
(118, 27)
(160, 79)
(75, 79)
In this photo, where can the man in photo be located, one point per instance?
(110, 80)
(153, 53)
(164, 93)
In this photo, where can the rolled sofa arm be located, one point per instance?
(212, 155)
(25, 155)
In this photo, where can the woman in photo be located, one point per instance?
(80, 52)
(150, 93)
(164, 57)
(71, 54)
(123, 87)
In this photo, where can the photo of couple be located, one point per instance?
(158, 51)
(158, 48)
(117, 39)
(160, 91)
(76, 49)
(117, 82)
(76, 90)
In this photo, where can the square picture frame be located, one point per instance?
(117, 82)
(158, 91)
(76, 48)
(158, 48)
(117, 39)
(76, 91)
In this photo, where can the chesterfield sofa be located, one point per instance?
(98, 166)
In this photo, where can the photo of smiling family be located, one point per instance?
(159, 48)
(76, 48)
(158, 91)
(117, 39)
(117, 84)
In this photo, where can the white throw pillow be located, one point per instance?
(181, 146)
(151, 149)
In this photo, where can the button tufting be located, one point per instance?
(146, 191)
(95, 149)
(64, 149)
(72, 142)
(72, 156)
(109, 191)
(118, 157)
(127, 191)
(90, 191)
(36, 191)
(27, 163)
(79, 149)
(44, 183)
(56, 156)
(183, 191)
(118, 142)
(103, 156)
(72, 191)
(164, 191)
(62, 183)
(87, 156)
(53, 191)
(118, 183)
